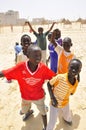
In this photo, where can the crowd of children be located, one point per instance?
(31, 73)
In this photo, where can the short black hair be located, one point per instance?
(17, 43)
(67, 40)
(31, 48)
(40, 28)
(25, 35)
(76, 60)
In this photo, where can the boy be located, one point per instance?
(60, 88)
(41, 39)
(53, 55)
(64, 53)
(31, 76)
(25, 42)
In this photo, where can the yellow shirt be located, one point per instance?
(62, 89)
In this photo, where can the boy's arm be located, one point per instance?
(51, 26)
(47, 60)
(53, 99)
(53, 39)
(27, 22)
(1, 74)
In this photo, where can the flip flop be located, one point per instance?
(27, 115)
(69, 123)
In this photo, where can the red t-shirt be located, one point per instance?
(30, 83)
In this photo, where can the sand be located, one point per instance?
(10, 100)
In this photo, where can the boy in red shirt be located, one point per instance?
(31, 76)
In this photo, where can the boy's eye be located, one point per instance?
(74, 68)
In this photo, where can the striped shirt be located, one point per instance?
(62, 88)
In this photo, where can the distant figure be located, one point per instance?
(11, 28)
(53, 57)
(60, 88)
(31, 76)
(18, 49)
(41, 39)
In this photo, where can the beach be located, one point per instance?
(10, 98)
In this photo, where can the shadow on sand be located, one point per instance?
(64, 126)
(34, 123)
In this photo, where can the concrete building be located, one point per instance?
(11, 18)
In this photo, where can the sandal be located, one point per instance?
(21, 113)
(69, 123)
(27, 115)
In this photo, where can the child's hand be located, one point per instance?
(54, 102)
(54, 22)
(26, 22)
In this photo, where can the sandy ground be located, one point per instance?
(10, 99)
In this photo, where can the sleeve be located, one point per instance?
(58, 49)
(12, 73)
(46, 33)
(54, 80)
(48, 73)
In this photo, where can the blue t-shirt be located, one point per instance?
(18, 48)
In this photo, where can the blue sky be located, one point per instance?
(49, 9)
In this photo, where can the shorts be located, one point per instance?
(26, 105)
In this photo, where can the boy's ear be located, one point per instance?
(78, 77)
(71, 44)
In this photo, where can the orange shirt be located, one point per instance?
(62, 89)
(64, 61)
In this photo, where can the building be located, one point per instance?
(11, 18)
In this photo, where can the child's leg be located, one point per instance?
(25, 106)
(67, 113)
(26, 109)
(53, 118)
(41, 107)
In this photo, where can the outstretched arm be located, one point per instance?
(1, 74)
(53, 39)
(51, 26)
(53, 99)
(27, 22)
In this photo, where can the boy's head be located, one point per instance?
(34, 54)
(74, 67)
(40, 30)
(49, 36)
(57, 33)
(67, 43)
(25, 42)
(17, 43)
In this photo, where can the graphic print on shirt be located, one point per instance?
(32, 80)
